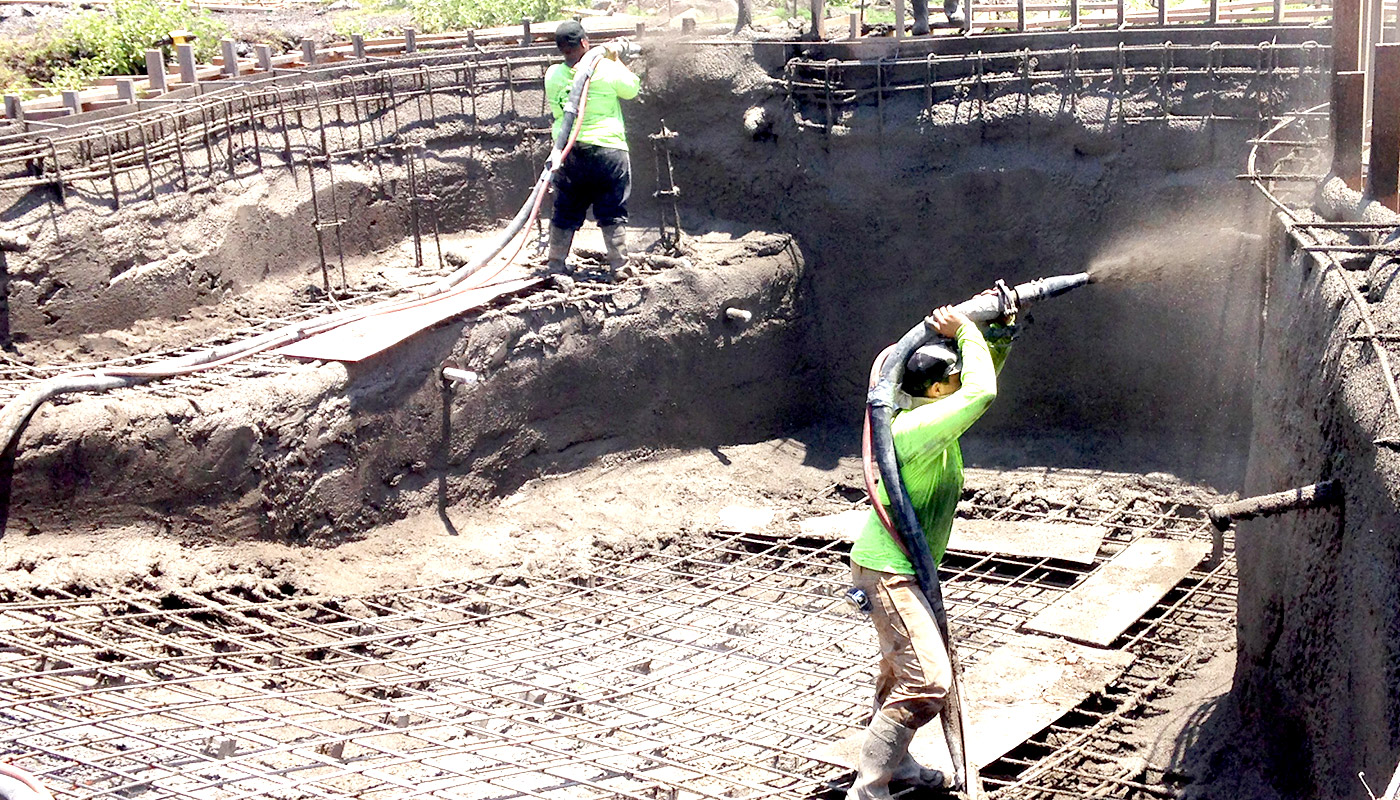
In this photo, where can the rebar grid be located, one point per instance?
(1150, 73)
(705, 669)
(1284, 165)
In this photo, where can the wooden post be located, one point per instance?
(1123, 12)
(641, 29)
(1383, 178)
(819, 19)
(899, 19)
(263, 53)
(229, 51)
(126, 90)
(72, 101)
(357, 44)
(855, 25)
(471, 37)
(1214, 12)
(308, 51)
(1278, 11)
(14, 107)
(745, 19)
(155, 71)
(410, 40)
(1162, 12)
(1348, 104)
(687, 25)
(526, 36)
(1074, 13)
(184, 54)
(1021, 15)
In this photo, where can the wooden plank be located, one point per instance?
(1013, 693)
(359, 340)
(845, 526)
(1116, 595)
(1061, 540)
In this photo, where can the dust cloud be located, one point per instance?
(1184, 249)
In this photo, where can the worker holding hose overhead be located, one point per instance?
(597, 169)
(948, 386)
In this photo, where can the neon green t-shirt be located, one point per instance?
(602, 114)
(930, 461)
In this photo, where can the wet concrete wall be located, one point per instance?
(905, 204)
(1318, 672)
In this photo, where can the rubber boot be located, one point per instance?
(615, 239)
(920, 10)
(560, 240)
(882, 752)
(953, 8)
(913, 773)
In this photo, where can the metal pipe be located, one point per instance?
(1316, 495)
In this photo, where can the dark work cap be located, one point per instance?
(569, 34)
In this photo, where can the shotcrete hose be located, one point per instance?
(17, 412)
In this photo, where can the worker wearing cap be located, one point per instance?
(947, 390)
(597, 171)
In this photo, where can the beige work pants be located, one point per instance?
(914, 669)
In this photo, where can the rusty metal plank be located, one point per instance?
(1346, 35)
(1383, 177)
(1348, 126)
(1013, 694)
(1117, 594)
(359, 340)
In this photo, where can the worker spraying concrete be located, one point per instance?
(926, 391)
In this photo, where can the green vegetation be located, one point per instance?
(449, 15)
(108, 42)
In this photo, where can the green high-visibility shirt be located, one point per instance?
(930, 461)
(602, 114)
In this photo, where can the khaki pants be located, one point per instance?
(914, 669)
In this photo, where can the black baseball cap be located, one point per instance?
(569, 34)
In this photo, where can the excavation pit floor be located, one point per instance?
(605, 633)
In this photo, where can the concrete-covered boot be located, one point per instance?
(560, 240)
(956, 16)
(881, 753)
(913, 773)
(615, 239)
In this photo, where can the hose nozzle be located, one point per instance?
(1045, 288)
(988, 307)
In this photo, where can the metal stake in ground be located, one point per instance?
(666, 188)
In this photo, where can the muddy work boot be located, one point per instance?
(920, 26)
(882, 752)
(912, 773)
(560, 240)
(956, 16)
(615, 239)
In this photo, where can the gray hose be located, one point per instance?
(16, 414)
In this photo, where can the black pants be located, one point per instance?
(592, 176)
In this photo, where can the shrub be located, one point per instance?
(444, 15)
(114, 42)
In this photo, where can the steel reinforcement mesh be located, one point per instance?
(707, 668)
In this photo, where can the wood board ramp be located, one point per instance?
(1066, 541)
(366, 337)
(1013, 693)
(1117, 594)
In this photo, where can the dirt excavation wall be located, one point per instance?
(1318, 675)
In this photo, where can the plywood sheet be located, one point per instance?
(359, 340)
(1098, 610)
(1013, 693)
(1063, 540)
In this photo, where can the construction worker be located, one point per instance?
(597, 171)
(949, 390)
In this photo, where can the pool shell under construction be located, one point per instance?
(645, 649)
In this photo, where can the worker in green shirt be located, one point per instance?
(948, 391)
(597, 171)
